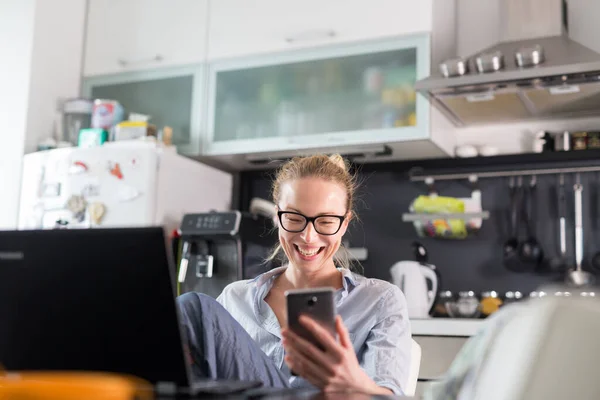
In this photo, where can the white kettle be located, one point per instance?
(411, 277)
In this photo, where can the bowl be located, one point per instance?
(466, 306)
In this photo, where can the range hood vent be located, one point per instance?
(530, 76)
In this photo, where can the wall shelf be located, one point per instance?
(424, 217)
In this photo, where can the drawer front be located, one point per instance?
(437, 354)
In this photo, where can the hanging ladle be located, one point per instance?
(577, 276)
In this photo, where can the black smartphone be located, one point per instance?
(316, 303)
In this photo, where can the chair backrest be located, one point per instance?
(413, 372)
(548, 350)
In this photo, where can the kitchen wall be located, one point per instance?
(471, 264)
(16, 42)
(41, 44)
(56, 62)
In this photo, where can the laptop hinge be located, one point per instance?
(166, 388)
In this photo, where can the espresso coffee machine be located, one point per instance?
(218, 248)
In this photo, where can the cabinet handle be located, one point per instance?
(123, 62)
(310, 36)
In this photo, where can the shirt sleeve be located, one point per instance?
(387, 355)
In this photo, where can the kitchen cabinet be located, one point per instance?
(242, 27)
(171, 96)
(131, 35)
(331, 96)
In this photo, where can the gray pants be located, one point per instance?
(220, 348)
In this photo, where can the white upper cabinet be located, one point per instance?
(244, 27)
(133, 35)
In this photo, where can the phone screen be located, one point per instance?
(316, 303)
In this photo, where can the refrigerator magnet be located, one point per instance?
(90, 190)
(127, 193)
(115, 170)
(61, 224)
(97, 211)
(78, 167)
(77, 205)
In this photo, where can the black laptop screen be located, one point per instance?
(90, 300)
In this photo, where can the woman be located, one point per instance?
(314, 198)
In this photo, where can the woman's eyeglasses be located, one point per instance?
(324, 224)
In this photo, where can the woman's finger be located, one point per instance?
(307, 369)
(297, 344)
(322, 335)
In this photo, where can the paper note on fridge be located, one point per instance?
(127, 193)
(85, 185)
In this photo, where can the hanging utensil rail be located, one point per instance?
(422, 177)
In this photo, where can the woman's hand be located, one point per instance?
(334, 370)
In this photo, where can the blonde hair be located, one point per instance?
(333, 168)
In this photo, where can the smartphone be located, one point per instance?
(316, 303)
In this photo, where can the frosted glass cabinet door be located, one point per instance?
(342, 95)
(171, 97)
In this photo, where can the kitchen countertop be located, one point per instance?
(446, 326)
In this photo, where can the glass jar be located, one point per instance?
(512, 296)
(440, 310)
(490, 302)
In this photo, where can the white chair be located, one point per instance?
(413, 372)
(548, 350)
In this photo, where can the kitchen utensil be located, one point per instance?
(529, 56)
(577, 276)
(411, 277)
(466, 306)
(559, 263)
(510, 250)
(489, 62)
(530, 250)
(454, 67)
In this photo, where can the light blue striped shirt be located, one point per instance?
(373, 310)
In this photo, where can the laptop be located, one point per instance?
(95, 300)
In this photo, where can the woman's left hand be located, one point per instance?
(336, 369)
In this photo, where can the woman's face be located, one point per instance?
(312, 197)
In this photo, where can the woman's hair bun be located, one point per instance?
(339, 161)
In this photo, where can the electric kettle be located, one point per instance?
(411, 277)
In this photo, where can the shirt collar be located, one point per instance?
(349, 282)
(265, 276)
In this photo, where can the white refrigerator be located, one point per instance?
(119, 184)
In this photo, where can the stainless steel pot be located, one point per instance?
(530, 56)
(489, 62)
(454, 67)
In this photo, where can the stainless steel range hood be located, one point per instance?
(565, 82)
